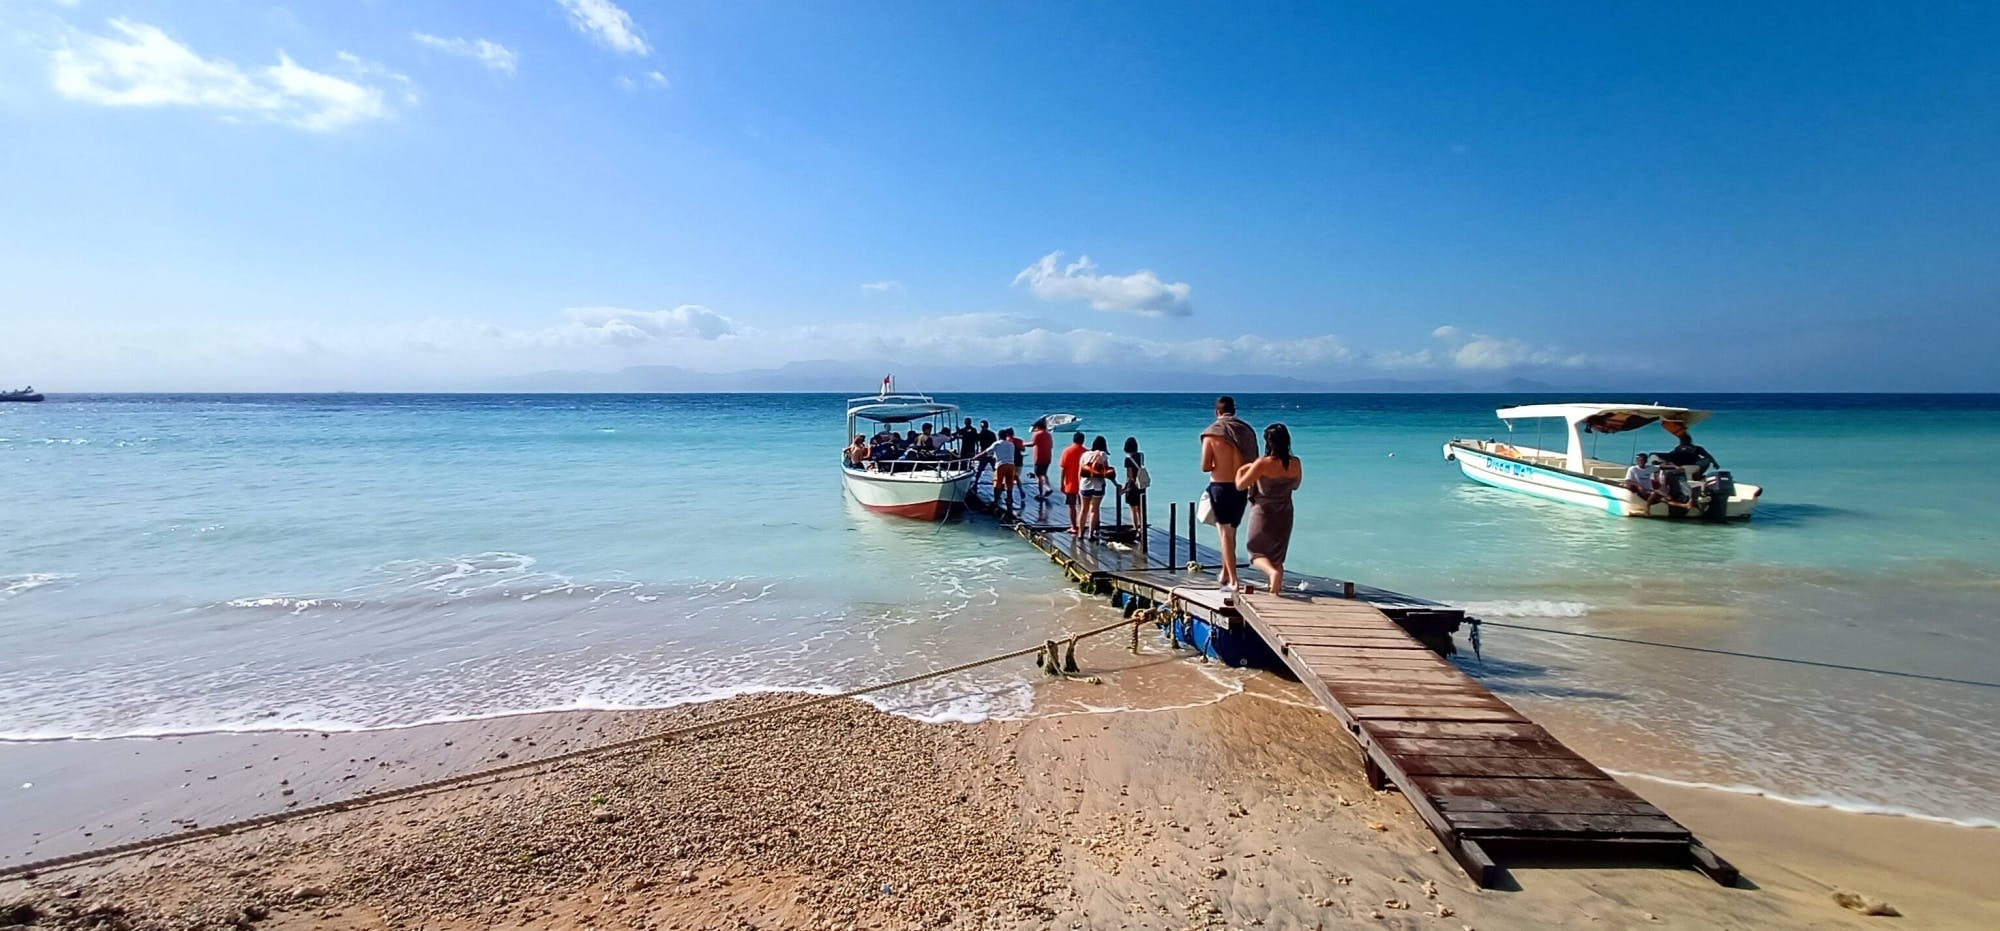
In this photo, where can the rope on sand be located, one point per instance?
(607, 751)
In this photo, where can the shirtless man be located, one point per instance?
(1226, 446)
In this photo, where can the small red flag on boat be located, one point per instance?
(888, 382)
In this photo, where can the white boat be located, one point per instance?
(1570, 476)
(926, 490)
(1059, 422)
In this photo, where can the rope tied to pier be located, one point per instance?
(627, 747)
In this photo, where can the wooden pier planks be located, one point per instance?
(1477, 771)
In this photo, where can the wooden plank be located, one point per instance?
(1361, 698)
(1391, 678)
(1383, 627)
(1328, 649)
(1475, 746)
(1345, 685)
(1581, 805)
(1573, 825)
(1573, 767)
(1416, 713)
(1339, 641)
(1438, 787)
(1496, 730)
(1375, 620)
(1545, 806)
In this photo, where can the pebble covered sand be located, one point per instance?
(836, 817)
(1248, 812)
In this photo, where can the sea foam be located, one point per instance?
(1529, 607)
(12, 585)
(1833, 802)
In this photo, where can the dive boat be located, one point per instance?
(926, 489)
(1683, 482)
(24, 394)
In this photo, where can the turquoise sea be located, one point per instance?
(174, 564)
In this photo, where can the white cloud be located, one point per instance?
(1462, 349)
(998, 339)
(141, 66)
(491, 54)
(651, 80)
(617, 326)
(607, 23)
(1140, 292)
(882, 286)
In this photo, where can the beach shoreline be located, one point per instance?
(1209, 814)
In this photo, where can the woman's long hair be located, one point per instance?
(1278, 443)
(1098, 444)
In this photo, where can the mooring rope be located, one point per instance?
(607, 751)
(1763, 656)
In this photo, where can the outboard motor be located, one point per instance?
(1719, 487)
(1674, 482)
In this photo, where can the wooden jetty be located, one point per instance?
(1484, 778)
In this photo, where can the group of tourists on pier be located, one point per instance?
(1244, 480)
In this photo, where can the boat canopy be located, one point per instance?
(897, 408)
(1607, 418)
(1602, 418)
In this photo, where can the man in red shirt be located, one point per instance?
(1072, 481)
(1045, 447)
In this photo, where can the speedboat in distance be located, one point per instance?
(1683, 482)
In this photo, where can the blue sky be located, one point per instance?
(251, 195)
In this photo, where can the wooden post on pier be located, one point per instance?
(1191, 534)
(1173, 534)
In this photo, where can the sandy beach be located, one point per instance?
(1247, 810)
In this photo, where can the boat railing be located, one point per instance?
(900, 466)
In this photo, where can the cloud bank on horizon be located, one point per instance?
(274, 197)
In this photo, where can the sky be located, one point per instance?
(424, 195)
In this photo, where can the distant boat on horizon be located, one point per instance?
(24, 394)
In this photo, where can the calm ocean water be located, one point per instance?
(172, 564)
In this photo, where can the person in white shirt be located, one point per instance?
(1639, 479)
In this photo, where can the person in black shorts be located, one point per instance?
(1227, 445)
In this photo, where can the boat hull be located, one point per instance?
(921, 495)
(20, 398)
(1578, 490)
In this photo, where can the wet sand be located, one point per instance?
(1240, 804)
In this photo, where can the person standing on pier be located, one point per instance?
(1095, 468)
(1006, 456)
(1136, 481)
(1270, 481)
(1226, 446)
(1045, 448)
(1072, 483)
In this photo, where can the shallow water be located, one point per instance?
(176, 564)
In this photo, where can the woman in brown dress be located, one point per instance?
(1270, 480)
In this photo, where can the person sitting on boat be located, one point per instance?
(1639, 480)
(1688, 453)
(859, 453)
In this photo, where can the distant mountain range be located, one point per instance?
(857, 378)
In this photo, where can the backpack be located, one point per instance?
(1141, 479)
